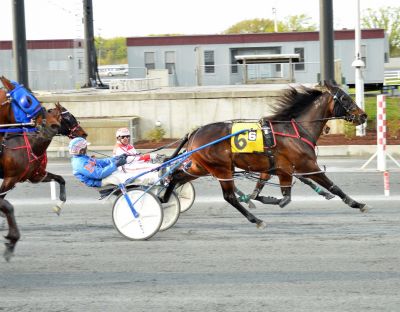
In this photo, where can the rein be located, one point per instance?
(16, 130)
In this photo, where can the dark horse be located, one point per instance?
(298, 121)
(70, 128)
(24, 159)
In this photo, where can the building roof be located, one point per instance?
(248, 38)
(46, 44)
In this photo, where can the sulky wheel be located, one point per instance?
(148, 221)
(171, 209)
(186, 195)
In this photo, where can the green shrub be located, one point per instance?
(349, 130)
(156, 134)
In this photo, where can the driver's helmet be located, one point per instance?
(76, 145)
(122, 132)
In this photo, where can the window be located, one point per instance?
(170, 61)
(300, 66)
(209, 63)
(149, 60)
(234, 66)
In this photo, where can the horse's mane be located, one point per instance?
(294, 102)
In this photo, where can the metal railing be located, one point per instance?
(392, 77)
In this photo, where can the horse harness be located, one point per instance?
(26, 109)
(41, 160)
(270, 142)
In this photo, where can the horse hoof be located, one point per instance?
(261, 225)
(9, 252)
(365, 208)
(57, 210)
(251, 205)
(284, 201)
(329, 196)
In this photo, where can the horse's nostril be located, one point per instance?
(364, 116)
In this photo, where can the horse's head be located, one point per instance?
(344, 106)
(48, 124)
(24, 108)
(70, 127)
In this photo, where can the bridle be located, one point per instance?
(342, 108)
(70, 124)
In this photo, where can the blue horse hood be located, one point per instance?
(24, 104)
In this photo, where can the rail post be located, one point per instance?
(381, 132)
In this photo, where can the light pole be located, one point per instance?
(326, 40)
(275, 21)
(358, 64)
(19, 42)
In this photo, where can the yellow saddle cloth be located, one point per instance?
(247, 142)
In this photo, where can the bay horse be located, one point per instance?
(69, 127)
(299, 118)
(24, 159)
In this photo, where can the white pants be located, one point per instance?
(119, 177)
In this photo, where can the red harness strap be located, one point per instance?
(296, 135)
(42, 159)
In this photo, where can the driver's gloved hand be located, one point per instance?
(120, 160)
(157, 158)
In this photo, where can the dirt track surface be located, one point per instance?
(314, 255)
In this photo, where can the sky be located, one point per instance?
(62, 19)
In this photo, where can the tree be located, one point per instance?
(111, 51)
(300, 22)
(387, 18)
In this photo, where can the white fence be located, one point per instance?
(140, 84)
(392, 77)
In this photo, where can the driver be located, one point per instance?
(96, 172)
(136, 162)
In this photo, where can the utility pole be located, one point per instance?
(359, 65)
(90, 51)
(326, 40)
(19, 42)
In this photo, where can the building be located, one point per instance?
(52, 64)
(214, 59)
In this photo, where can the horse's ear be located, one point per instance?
(7, 83)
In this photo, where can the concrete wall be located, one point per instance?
(179, 109)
